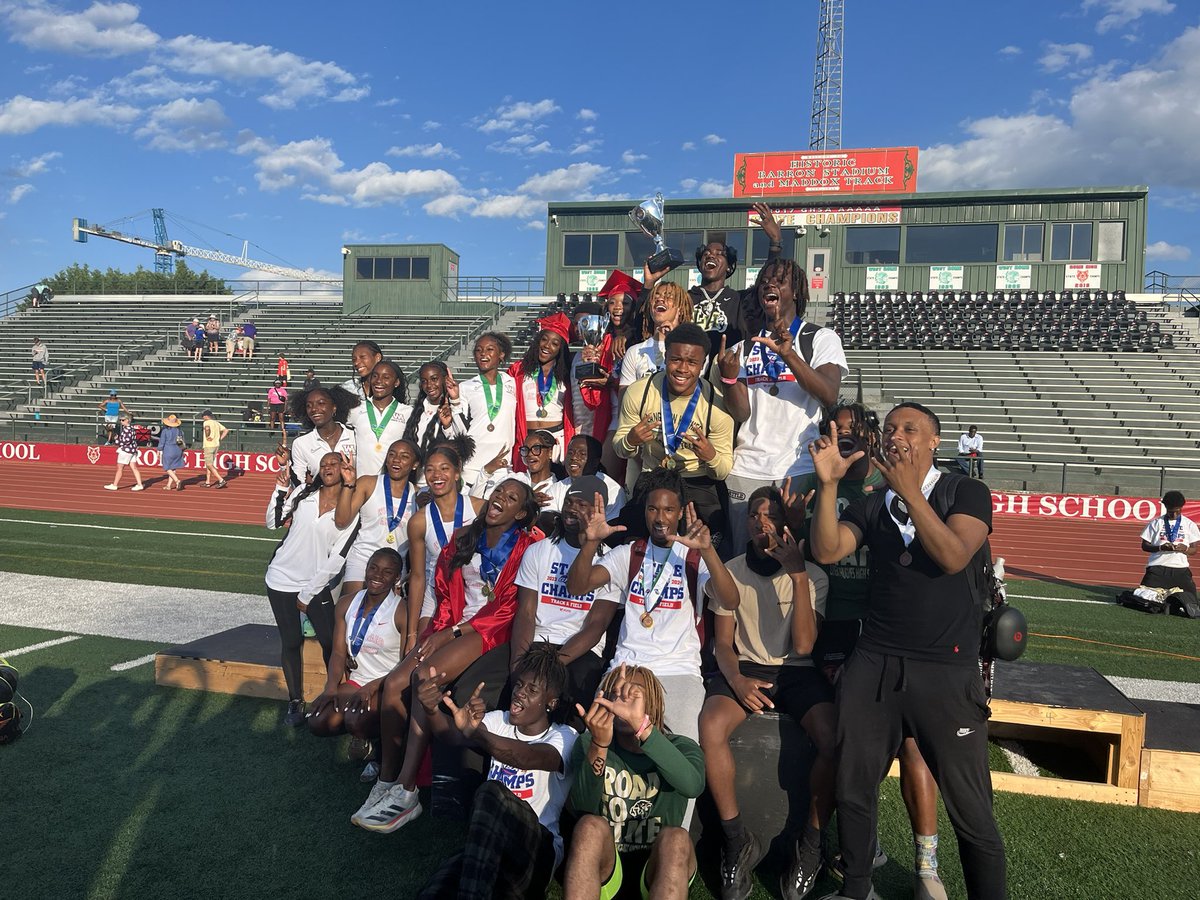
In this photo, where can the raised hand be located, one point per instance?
(795, 506)
(901, 471)
(779, 341)
(626, 701)
(643, 431)
(445, 415)
(700, 444)
(727, 361)
(597, 527)
(649, 279)
(598, 720)
(788, 552)
(502, 459)
(349, 474)
(468, 719)
(451, 386)
(828, 463)
(770, 225)
(697, 537)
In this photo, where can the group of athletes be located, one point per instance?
(595, 566)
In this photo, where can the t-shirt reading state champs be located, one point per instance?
(545, 792)
(919, 611)
(670, 646)
(560, 613)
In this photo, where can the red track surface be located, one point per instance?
(1086, 552)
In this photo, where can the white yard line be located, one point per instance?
(232, 537)
(1061, 599)
(42, 646)
(133, 663)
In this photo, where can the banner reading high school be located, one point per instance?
(1083, 506)
(879, 170)
(83, 454)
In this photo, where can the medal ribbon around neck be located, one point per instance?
(362, 625)
(493, 403)
(492, 559)
(547, 388)
(1172, 531)
(377, 427)
(647, 592)
(393, 519)
(440, 529)
(672, 435)
(773, 365)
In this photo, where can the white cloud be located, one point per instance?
(587, 115)
(1164, 251)
(1058, 56)
(38, 165)
(541, 147)
(506, 206)
(430, 125)
(713, 139)
(1111, 133)
(1010, 50)
(428, 151)
(153, 83)
(632, 159)
(715, 189)
(525, 144)
(21, 114)
(35, 70)
(519, 115)
(450, 205)
(688, 145)
(688, 184)
(103, 29)
(585, 147)
(391, 101)
(1122, 12)
(294, 77)
(535, 225)
(15, 195)
(561, 183)
(187, 125)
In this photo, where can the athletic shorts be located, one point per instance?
(634, 859)
(210, 456)
(39, 367)
(276, 408)
(124, 458)
(110, 420)
(835, 643)
(797, 689)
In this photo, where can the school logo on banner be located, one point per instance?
(93, 455)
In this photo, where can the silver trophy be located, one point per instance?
(591, 329)
(648, 216)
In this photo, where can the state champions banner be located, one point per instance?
(1089, 507)
(877, 170)
(85, 454)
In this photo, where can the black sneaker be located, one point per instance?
(295, 714)
(802, 874)
(834, 866)
(737, 871)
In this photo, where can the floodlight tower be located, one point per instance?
(825, 127)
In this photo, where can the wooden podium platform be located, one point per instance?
(1170, 770)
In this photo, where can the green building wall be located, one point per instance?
(433, 294)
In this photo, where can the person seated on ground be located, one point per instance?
(763, 651)
(477, 599)
(674, 420)
(661, 580)
(584, 454)
(513, 843)
(249, 336)
(970, 450)
(1171, 540)
(322, 414)
(633, 784)
(368, 641)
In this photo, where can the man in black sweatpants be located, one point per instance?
(914, 671)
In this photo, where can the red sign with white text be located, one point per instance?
(1088, 507)
(84, 454)
(877, 170)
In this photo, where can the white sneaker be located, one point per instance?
(928, 887)
(110, 487)
(392, 811)
(377, 792)
(137, 487)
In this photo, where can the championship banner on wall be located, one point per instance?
(1084, 506)
(84, 454)
(877, 170)
(591, 280)
(831, 215)
(1015, 277)
(1081, 276)
(883, 278)
(945, 278)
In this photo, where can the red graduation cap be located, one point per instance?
(620, 283)
(557, 323)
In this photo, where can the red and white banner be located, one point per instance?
(875, 170)
(1088, 507)
(84, 454)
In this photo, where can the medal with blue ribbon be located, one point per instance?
(393, 519)
(672, 433)
(773, 365)
(440, 529)
(358, 631)
(1172, 531)
(547, 390)
(492, 559)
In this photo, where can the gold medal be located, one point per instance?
(647, 620)
(669, 462)
(774, 390)
(351, 663)
(541, 413)
(391, 538)
(379, 448)
(491, 427)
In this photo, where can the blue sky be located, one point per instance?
(303, 126)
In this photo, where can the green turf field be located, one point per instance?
(125, 789)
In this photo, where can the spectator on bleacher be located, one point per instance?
(364, 357)
(584, 457)
(667, 306)
(40, 356)
(113, 407)
(232, 339)
(764, 653)
(970, 451)
(212, 332)
(430, 531)
(476, 600)
(282, 372)
(295, 585)
(367, 643)
(543, 387)
(513, 844)
(193, 340)
(213, 433)
(249, 336)
(127, 447)
(437, 413)
(777, 381)
(382, 419)
(1171, 540)
(919, 641)
(170, 445)
(489, 404)
(310, 380)
(662, 581)
(674, 420)
(322, 413)
(633, 784)
(277, 396)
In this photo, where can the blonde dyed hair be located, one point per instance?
(673, 291)
(652, 691)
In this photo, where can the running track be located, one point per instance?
(1090, 553)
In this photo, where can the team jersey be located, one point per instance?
(307, 450)
(383, 645)
(560, 613)
(370, 450)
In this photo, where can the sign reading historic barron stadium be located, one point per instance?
(878, 170)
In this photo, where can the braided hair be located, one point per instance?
(865, 421)
(792, 273)
(433, 428)
(683, 303)
(655, 699)
(531, 365)
(540, 662)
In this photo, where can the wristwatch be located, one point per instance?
(456, 631)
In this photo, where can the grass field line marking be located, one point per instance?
(133, 663)
(1060, 599)
(232, 537)
(1015, 754)
(42, 646)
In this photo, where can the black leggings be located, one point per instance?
(291, 638)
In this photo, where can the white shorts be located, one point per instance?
(356, 562)
(124, 458)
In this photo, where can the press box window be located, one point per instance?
(1110, 242)
(1023, 243)
(389, 268)
(590, 249)
(872, 245)
(951, 244)
(638, 248)
(685, 242)
(1071, 241)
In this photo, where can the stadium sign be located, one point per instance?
(592, 280)
(81, 454)
(1014, 277)
(831, 215)
(1081, 506)
(883, 278)
(1081, 276)
(945, 278)
(876, 170)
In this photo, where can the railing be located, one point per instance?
(154, 284)
(492, 286)
(15, 300)
(1053, 476)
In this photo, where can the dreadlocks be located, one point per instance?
(789, 272)
(865, 421)
(652, 690)
(540, 662)
(672, 291)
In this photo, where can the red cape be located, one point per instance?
(517, 371)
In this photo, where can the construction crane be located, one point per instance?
(166, 252)
(825, 126)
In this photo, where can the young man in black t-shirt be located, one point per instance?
(915, 668)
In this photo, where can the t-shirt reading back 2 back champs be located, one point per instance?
(919, 611)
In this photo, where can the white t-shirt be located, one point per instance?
(1155, 533)
(560, 614)
(307, 450)
(310, 555)
(370, 451)
(967, 444)
(545, 792)
(616, 495)
(773, 442)
(383, 644)
(488, 444)
(671, 645)
(641, 360)
(553, 400)
(433, 548)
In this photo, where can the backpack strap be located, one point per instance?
(637, 553)
(804, 341)
(645, 391)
